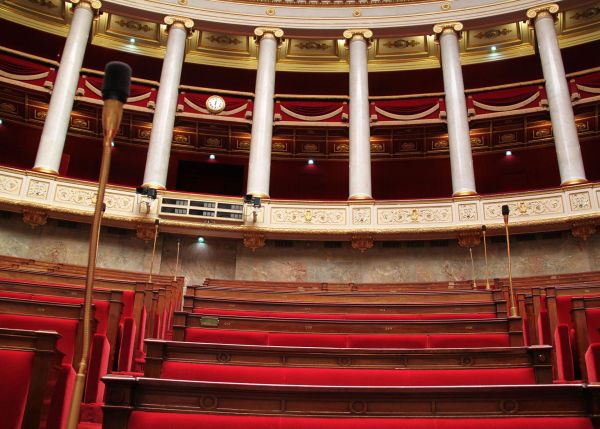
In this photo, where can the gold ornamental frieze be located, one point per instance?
(399, 216)
(10, 185)
(526, 208)
(467, 212)
(38, 189)
(580, 201)
(361, 216)
(577, 205)
(283, 216)
(87, 198)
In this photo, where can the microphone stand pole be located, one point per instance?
(487, 268)
(513, 307)
(111, 119)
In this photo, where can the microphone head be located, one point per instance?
(483, 228)
(505, 210)
(117, 77)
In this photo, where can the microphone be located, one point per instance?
(505, 212)
(511, 293)
(115, 90)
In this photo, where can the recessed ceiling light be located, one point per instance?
(212, 156)
(508, 153)
(311, 161)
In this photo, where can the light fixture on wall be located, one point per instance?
(200, 240)
(212, 156)
(132, 40)
(508, 153)
(493, 49)
(311, 162)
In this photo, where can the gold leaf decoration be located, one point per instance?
(493, 33)
(402, 43)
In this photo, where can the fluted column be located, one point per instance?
(159, 150)
(56, 125)
(566, 141)
(360, 133)
(259, 165)
(461, 158)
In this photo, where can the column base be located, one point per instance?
(260, 195)
(156, 186)
(571, 182)
(45, 170)
(360, 197)
(464, 194)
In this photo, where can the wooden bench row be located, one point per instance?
(236, 293)
(201, 402)
(536, 358)
(193, 304)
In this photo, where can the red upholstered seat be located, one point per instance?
(15, 376)
(66, 328)
(346, 316)
(345, 376)
(148, 420)
(224, 336)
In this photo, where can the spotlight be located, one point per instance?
(508, 153)
(200, 240)
(311, 161)
(132, 40)
(493, 49)
(1, 121)
(251, 199)
(212, 156)
(144, 190)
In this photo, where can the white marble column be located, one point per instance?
(58, 117)
(360, 133)
(461, 158)
(159, 150)
(566, 141)
(259, 165)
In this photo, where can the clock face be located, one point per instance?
(215, 104)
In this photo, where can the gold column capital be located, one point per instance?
(94, 5)
(550, 9)
(447, 27)
(182, 22)
(268, 32)
(363, 33)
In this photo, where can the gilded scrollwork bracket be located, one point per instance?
(362, 242)
(254, 241)
(35, 218)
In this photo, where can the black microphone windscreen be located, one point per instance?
(117, 77)
(505, 210)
